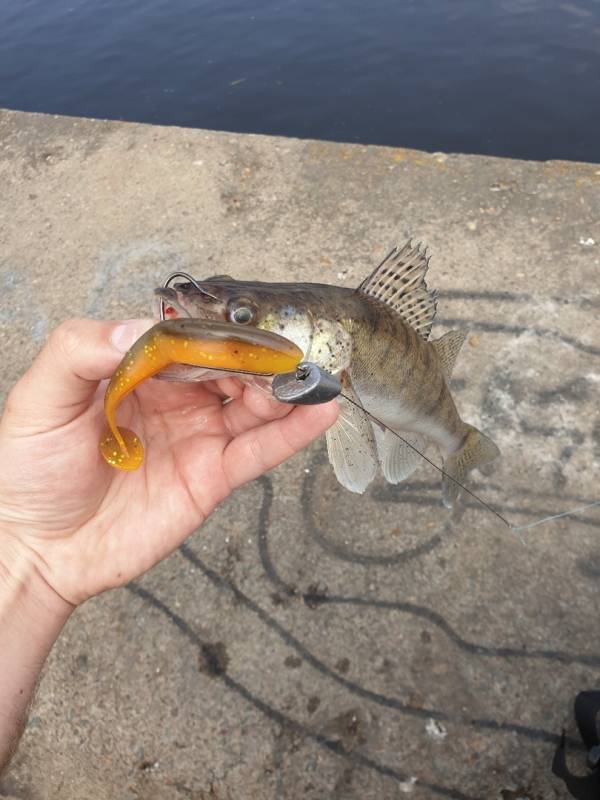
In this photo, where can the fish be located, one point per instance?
(376, 339)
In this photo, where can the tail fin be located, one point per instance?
(476, 450)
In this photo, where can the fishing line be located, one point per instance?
(557, 516)
(510, 526)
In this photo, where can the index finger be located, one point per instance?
(62, 380)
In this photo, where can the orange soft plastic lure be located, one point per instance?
(196, 342)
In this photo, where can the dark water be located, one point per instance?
(507, 77)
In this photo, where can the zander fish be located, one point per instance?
(376, 339)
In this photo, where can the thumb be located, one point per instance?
(64, 377)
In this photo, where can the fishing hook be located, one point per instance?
(189, 279)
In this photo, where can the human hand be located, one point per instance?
(85, 527)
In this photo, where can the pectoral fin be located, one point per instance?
(351, 444)
(398, 460)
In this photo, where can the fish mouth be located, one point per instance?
(168, 304)
(176, 302)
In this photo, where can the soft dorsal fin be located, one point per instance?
(399, 282)
(448, 347)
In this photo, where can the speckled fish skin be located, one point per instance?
(399, 377)
(386, 363)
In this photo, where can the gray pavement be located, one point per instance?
(307, 642)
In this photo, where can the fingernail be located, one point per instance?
(127, 332)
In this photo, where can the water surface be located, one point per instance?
(506, 77)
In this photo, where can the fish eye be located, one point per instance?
(242, 315)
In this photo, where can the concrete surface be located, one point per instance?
(309, 643)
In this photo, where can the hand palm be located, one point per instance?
(92, 527)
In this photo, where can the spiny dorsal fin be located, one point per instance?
(448, 347)
(399, 282)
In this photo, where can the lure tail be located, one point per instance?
(476, 450)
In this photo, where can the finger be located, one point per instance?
(260, 401)
(262, 448)
(63, 378)
(229, 387)
(181, 398)
(253, 408)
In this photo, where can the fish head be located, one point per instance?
(186, 299)
(286, 309)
